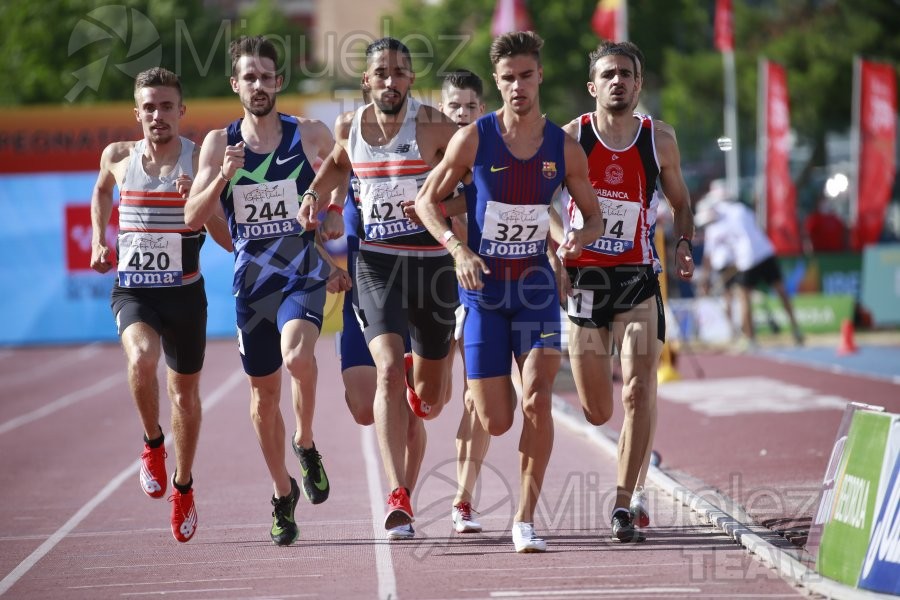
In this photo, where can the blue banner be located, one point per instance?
(50, 294)
(881, 568)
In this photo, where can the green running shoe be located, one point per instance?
(284, 528)
(315, 481)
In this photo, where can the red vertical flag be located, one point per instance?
(724, 26)
(781, 195)
(610, 20)
(876, 120)
(510, 15)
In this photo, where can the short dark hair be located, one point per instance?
(387, 43)
(157, 77)
(616, 49)
(463, 79)
(516, 43)
(256, 46)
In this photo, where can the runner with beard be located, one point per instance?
(405, 281)
(256, 168)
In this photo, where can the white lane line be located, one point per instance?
(167, 592)
(68, 356)
(548, 567)
(633, 592)
(384, 564)
(61, 403)
(32, 559)
(184, 581)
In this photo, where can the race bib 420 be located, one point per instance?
(149, 259)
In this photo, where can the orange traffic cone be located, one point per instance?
(847, 345)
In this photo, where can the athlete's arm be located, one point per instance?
(563, 283)
(216, 225)
(218, 163)
(339, 279)
(457, 162)
(333, 223)
(557, 231)
(101, 203)
(334, 172)
(571, 128)
(585, 198)
(434, 130)
(675, 189)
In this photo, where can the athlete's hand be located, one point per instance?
(571, 248)
(183, 185)
(100, 258)
(409, 211)
(332, 225)
(469, 268)
(307, 215)
(563, 283)
(685, 261)
(339, 281)
(234, 159)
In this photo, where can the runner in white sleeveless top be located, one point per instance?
(158, 299)
(405, 279)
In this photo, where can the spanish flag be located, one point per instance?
(510, 15)
(610, 20)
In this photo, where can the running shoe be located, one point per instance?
(284, 528)
(153, 471)
(184, 515)
(639, 512)
(315, 481)
(623, 528)
(419, 407)
(399, 509)
(461, 515)
(401, 532)
(525, 539)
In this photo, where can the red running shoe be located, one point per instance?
(399, 509)
(419, 407)
(153, 471)
(184, 515)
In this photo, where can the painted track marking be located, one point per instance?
(384, 564)
(32, 559)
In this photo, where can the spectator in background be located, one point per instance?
(734, 225)
(823, 230)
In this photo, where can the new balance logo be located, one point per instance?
(280, 161)
(403, 148)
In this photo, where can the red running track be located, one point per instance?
(75, 524)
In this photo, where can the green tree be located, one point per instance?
(683, 76)
(456, 34)
(75, 51)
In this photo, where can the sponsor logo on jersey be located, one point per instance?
(614, 175)
(549, 169)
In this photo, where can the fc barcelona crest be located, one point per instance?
(549, 169)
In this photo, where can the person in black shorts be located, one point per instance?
(254, 169)
(158, 300)
(405, 282)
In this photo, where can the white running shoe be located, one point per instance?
(401, 532)
(638, 508)
(525, 540)
(463, 522)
